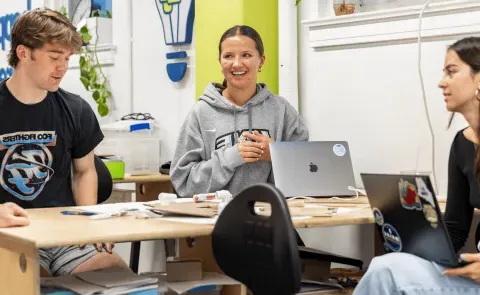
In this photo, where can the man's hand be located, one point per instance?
(99, 246)
(12, 215)
(471, 270)
(264, 142)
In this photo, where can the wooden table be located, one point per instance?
(147, 187)
(19, 267)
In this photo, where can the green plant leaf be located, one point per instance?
(84, 29)
(105, 93)
(102, 109)
(86, 38)
(93, 77)
(297, 2)
(82, 62)
(84, 73)
(85, 82)
(92, 72)
(108, 94)
(96, 95)
(108, 14)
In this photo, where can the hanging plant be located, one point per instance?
(91, 74)
(93, 80)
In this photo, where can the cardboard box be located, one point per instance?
(181, 270)
(315, 270)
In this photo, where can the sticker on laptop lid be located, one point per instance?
(428, 203)
(339, 150)
(391, 237)
(431, 215)
(377, 215)
(408, 196)
(423, 192)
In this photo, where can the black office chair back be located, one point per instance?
(259, 251)
(105, 182)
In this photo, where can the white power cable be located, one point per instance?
(357, 192)
(434, 173)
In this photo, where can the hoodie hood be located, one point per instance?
(213, 96)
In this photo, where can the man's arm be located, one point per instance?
(85, 180)
(12, 215)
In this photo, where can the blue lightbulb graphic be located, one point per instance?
(177, 21)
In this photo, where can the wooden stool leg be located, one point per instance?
(19, 267)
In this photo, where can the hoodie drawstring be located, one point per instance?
(249, 119)
(235, 121)
(235, 124)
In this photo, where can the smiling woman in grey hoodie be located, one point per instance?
(225, 143)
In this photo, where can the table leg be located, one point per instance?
(146, 192)
(19, 267)
(149, 191)
(135, 255)
(201, 247)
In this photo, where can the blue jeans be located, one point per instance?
(406, 274)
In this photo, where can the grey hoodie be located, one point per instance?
(207, 159)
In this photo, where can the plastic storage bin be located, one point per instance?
(135, 142)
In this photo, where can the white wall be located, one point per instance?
(167, 101)
(370, 95)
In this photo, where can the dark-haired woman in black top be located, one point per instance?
(402, 273)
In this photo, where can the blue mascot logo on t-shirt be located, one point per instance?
(26, 166)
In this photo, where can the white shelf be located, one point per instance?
(444, 20)
(105, 54)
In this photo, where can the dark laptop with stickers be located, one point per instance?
(408, 218)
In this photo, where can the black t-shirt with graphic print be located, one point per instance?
(37, 145)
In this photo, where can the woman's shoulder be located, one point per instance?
(463, 146)
(467, 134)
(464, 138)
(278, 100)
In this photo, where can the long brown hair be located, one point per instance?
(468, 50)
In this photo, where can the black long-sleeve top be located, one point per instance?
(463, 190)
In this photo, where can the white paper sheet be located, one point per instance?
(113, 208)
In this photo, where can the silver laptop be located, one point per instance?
(312, 168)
